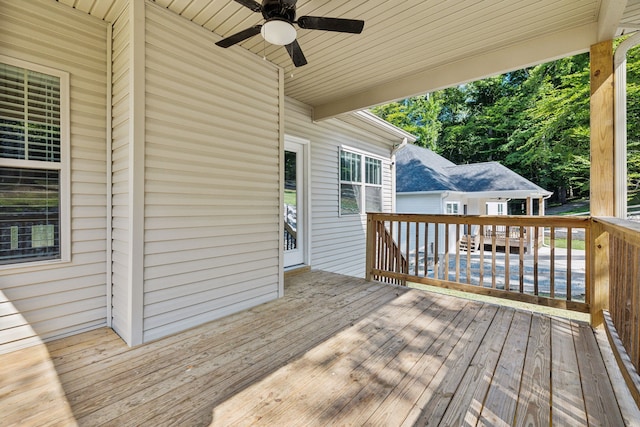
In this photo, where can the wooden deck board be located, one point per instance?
(502, 397)
(602, 407)
(567, 400)
(334, 351)
(286, 387)
(534, 402)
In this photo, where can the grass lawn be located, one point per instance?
(290, 197)
(562, 243)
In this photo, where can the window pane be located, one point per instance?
(350, 199)
(373, 196)
(29, 215)
(452, 208)
(350, 167)
(290, 201)
(29, 115)
(373, 171)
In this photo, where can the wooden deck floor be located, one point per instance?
(335, 351)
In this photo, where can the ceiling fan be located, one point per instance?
(278, 29)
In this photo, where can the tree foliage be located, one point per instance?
(534, 121)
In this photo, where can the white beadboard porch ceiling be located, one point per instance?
(409, 47)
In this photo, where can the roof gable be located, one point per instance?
(419, 169)
(422, 170)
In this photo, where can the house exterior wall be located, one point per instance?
(338, 243)
(189, 214)
(211, 198)
(58, 299)
(419, 203)
(430, 203)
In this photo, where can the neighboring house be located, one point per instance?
(430, 184)
(143, 185)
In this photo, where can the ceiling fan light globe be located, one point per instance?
(278, 32)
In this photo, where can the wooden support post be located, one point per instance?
(602, 130)
(598, 294)
(370, 245)
(602, 182)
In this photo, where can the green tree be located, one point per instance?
(534, 121)
(417, 115)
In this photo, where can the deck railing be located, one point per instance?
(389, 256)
(618, 242)
(541, 260)
(585, 264)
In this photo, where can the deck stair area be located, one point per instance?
(334, 351)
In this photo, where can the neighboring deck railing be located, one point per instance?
(541, 260)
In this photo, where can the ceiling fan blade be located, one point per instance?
(295, 52)
(353, 26)
(239, 37)
(255, 6)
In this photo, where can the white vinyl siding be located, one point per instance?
(419, 203)
(54, 300)
(211, 178)
(337, 242)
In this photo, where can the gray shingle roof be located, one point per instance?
(420, 169)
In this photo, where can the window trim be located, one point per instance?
(362, 183)
(63, 166)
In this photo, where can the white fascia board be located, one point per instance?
(443, 193)
(394, 131)
(512, 194)
(537, 50)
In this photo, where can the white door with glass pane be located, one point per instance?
(294, 204)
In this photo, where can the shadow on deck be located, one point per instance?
(334, 350)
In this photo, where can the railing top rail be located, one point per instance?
(519, 220)
(624, 229)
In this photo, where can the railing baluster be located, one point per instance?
(521, 263)
(436, 252)
(426, 249)
(494, 251)
(457, 253)
(481, 243)
(536, 249)
(445, 266)
(569, 249)
(417, 245)
(507, 252)
(399, 257)
(552, 262)
(382, 261)
(407, 246)
(469, 246)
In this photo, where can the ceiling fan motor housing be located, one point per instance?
(280, 9)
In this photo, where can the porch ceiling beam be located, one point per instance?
(534, 51)
(611, 12)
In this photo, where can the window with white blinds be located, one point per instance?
(31, 163)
